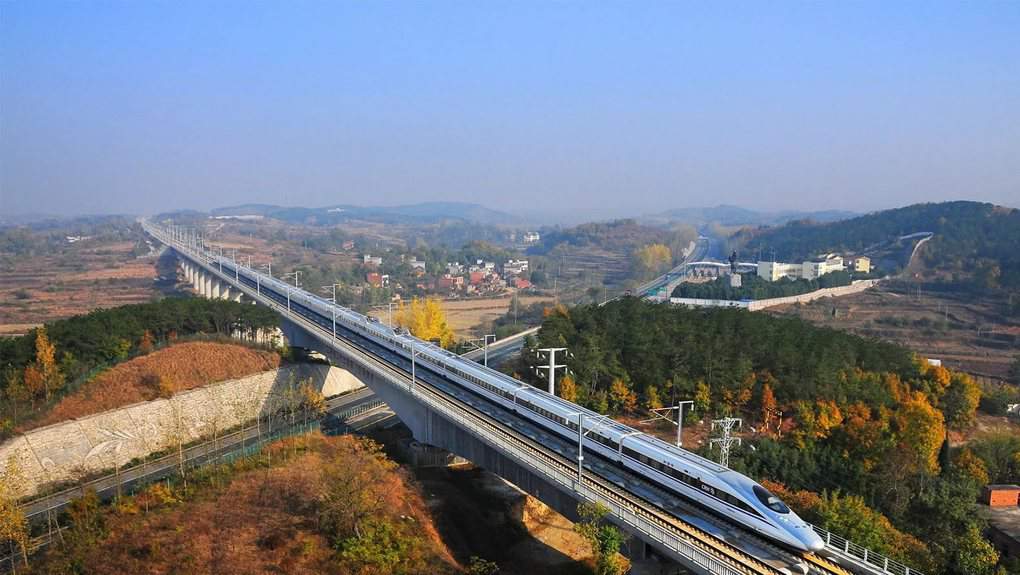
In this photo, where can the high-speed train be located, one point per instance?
(687, 475)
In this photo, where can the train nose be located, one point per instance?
(814, 542)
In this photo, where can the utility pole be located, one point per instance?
(726, 442)
(414, 354)
(484, 347)
(296, 274)
(332, 308)
(595, 424)
(552, 367)
(664, 414)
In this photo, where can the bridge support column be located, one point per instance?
(215, 289)
(207, 284)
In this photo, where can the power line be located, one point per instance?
(726, 442)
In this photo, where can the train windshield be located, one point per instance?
(769, 500)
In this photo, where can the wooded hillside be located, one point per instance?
(40, 368)
(972, 240)
(859, 422)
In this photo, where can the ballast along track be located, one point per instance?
(734, 558)
(703, 548)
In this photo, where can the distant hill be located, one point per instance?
(971, 239)
(737, 216)
(427, 212)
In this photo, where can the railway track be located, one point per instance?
(713, 553)
(737, 560)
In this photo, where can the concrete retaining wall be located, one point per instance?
(67, 451)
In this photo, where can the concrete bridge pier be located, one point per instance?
(430, 428)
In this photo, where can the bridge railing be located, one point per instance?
(529, 457)
(878, 562)
(559, 474)
(555, 474)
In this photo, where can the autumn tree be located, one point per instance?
(568, 388)
(605, 539)
(15, 391)
(13, 523)
(426, 319)
(87, 526)
(921, 432)
(621, 397)
(702, 397)
(313, 403)
(768, 406)
(652, 398)
(355, 486)
(145, 345)
(816, 420)
(43, 375)
(971, 466)
(35, 382)
(653, 258)
(960, 401)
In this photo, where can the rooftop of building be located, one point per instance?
(1004, 487)
(1005, 519)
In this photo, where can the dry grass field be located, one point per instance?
(179, 367)
(965, 332)
(471, 317)
(90, 275)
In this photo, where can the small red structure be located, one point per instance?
(1000, 495)
(521, 283)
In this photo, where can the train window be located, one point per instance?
(769, 500)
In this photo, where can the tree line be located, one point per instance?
(50, 361)
(754, 287)
(972, 240)
(859, 421)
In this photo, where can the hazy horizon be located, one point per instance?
(580, 110)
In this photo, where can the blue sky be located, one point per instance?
(591, 108)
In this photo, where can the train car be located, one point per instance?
(689, 476)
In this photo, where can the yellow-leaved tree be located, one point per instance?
(653, 258)
(568, 388)
(13, 524)
(46, 362)
(426, 319)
